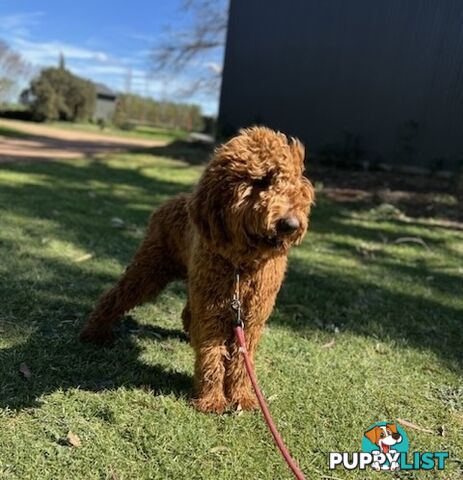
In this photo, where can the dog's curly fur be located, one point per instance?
(235, 219)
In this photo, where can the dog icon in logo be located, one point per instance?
(385, 437)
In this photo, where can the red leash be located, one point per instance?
(240, 339)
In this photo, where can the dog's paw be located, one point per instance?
(97, 337)
(246, 401)
(210, 404)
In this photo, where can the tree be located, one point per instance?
(197, 48)
(57, 94)
(133, 109)
(12, 68)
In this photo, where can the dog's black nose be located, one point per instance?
(287, 225)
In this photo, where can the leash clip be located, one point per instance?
(236, 307)
(236, 302)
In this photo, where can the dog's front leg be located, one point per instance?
(238, 388)
(209, 372)
(208, 319)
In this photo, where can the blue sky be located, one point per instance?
(103, 41)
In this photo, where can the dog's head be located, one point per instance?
(384, 436)
(253, 194)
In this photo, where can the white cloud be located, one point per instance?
(19, 24)
(45, 53)
(88, 69)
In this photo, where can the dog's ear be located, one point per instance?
(392, 427)
(297, 150)
(373, 435)
(205, 208)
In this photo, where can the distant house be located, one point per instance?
(365, 81)
(105, 104)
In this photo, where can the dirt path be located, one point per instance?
(38, 141)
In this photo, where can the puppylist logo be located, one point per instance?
(385, 447)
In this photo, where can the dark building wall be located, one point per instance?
(377, 80)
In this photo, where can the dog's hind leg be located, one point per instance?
(157, 262)
(150, 271)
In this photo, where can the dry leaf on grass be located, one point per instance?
(73, 440)
(413, 426)
(220, 448)
(112, 474)
(330, 344)
(83, 258)
(24, 369)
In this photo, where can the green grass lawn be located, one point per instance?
(140, 131)
(394, 311)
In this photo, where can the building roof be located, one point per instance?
(102, 89)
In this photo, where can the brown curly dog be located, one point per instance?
(250, 206)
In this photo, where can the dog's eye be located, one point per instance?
(262, 183)
(382, 435)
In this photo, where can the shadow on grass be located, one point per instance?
(315, 300)
(11, 132)
(49, 314)
(410, 301)
(72, 365)
(80, 203)
(48, 309)
(193, 153)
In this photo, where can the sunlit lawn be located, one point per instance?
(147, 132)
(365, 330)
